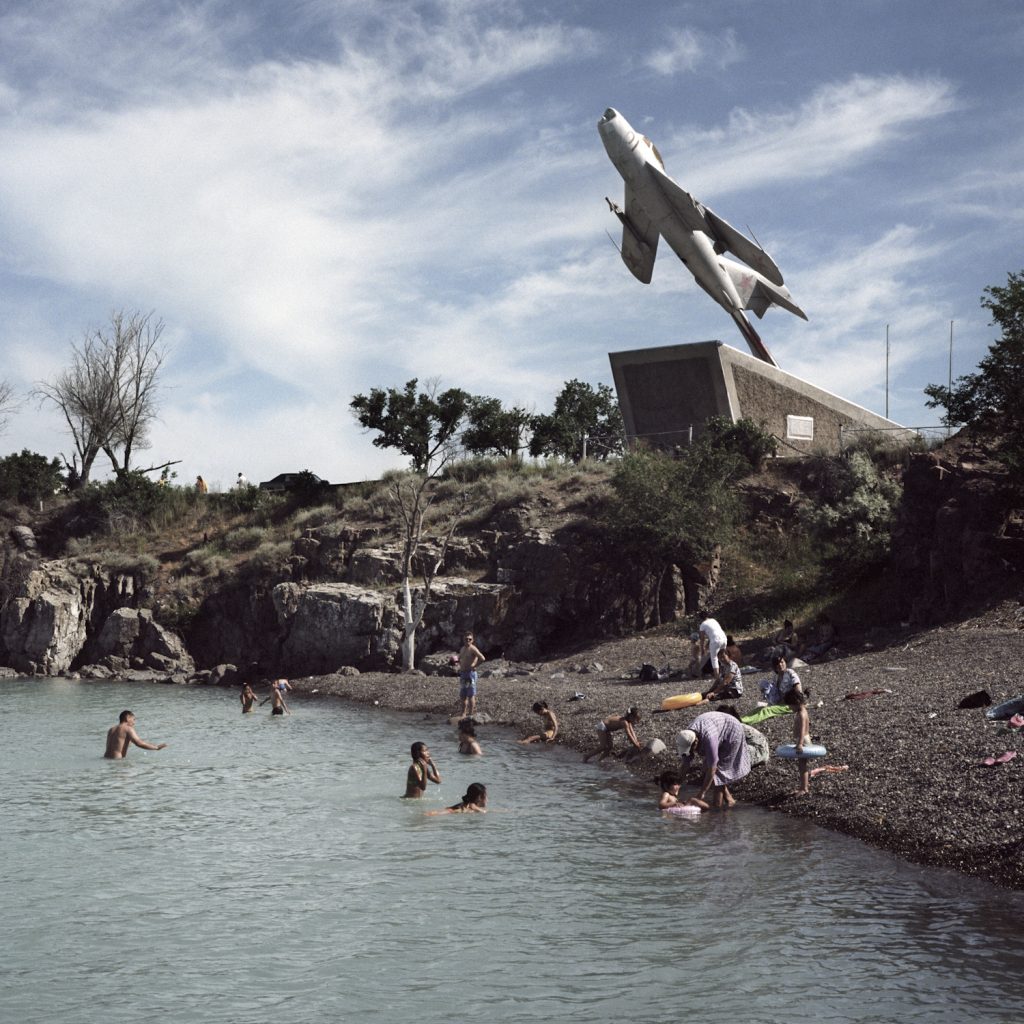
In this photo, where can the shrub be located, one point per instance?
(204, 561)
(244, 538)
(854, 513)
(29, 478)
(744, 438)
(269, 557)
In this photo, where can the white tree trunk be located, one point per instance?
(409, 631)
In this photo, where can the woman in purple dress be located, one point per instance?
(720, 741)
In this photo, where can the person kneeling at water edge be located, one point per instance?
(122, 735)
(720, 741)
(616, 723)
(671, 783)
(421, 771)
(474, 801)
(550, 732)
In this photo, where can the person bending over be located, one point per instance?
(615, 723)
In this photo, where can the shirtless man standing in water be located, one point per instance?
(121, 735)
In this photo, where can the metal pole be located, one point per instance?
(886, 371)
(584, 448)
(949, 390)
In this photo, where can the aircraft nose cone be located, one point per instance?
(609, 115)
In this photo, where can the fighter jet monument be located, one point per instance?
(657, 207)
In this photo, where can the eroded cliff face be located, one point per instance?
(959, 539)
(521, 588)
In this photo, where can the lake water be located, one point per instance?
(264, 870)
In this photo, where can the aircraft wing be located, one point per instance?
(639, 239)
(742, 247)
(690, 212)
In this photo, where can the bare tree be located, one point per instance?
(108, 393)
(7, 403)
(427, 532)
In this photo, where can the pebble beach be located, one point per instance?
(915, 783)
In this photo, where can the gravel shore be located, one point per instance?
(916, 784)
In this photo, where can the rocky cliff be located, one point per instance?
(958, 544)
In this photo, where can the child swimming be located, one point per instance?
(474, 801)
(550, 732)
(468, 743)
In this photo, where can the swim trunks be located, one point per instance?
(277, 711)
(467, 687)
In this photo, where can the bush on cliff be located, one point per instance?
(991, 399)
(853, 512)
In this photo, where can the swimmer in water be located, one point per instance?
(421, 771)
(468, 743)
(248, 698)
(550, 732)
(120, 736)
(278, 688)
(474, 801)
(671, 783)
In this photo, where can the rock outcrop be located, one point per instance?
(959, 539)
(60, 616)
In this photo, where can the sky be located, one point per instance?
(319, 197)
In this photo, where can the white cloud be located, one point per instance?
(687, 49)
(840, 125)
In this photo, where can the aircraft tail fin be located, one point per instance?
(756, 293)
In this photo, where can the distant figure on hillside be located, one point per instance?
(122, 735)
(421, 771)
(550, 732)
(468, 743)
(616, 723)
(469, 657)
(241, 483)
(201, 487)
(248, 698)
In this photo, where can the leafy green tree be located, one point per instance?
(420, 424)
(27, 477)
(586, 421)
(675, 509)
(992, 399)
(492, 429)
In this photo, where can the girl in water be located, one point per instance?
(671, 783)
(550, 732)
(616, 723)
(474, 801)
(421, 771)
(248, 698)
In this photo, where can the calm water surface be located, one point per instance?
(264, 870)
